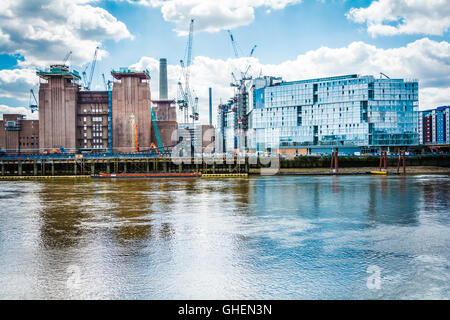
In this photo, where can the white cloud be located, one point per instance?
(18, 110)
(425, 60)
(17, 83)
(44, 31)
(434, 97)
(393, 17)
(212, 16)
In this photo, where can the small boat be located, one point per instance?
(379, 172)
(147, 175)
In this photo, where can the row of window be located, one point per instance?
(94, 119)
(94, 110)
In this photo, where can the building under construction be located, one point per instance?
(73, 119)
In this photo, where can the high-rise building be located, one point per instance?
(352, 112)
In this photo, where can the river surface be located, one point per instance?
(290, 237)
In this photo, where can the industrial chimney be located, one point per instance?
(165, 109)
(163, 79)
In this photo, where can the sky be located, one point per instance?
(295, 39)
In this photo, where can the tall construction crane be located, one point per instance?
(94, 61)
(33, 107)
(88, 81)
(233, 43)
(85, 80)
(253, 50)
(241, 94)
(236, 53)
(186, 100)
(182, 100)
(107, 84)
(104, 82)
(67, 57)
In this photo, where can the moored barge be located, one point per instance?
(147, 175)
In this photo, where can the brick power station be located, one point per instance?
(77, 120)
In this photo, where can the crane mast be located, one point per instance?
(233, 43)
(107, 84)
(241, 98)
(186, 100)
(85, 81)
(67, 57)
(94, 61)
(33, 107)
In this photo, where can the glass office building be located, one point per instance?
(354, 112)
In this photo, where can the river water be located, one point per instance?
(290, 237)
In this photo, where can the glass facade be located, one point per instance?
(354, 111)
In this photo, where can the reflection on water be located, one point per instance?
(263, 237)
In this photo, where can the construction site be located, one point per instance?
(124, 129)
(120, 129)
(124, 118)
(73, 119)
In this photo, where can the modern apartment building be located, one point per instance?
(351, 112)
(434, 126)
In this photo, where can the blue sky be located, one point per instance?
(295, 39)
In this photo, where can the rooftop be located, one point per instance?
(336, 78)
(127, 72)
(58, 70)
(339, 78)
(436, 109)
